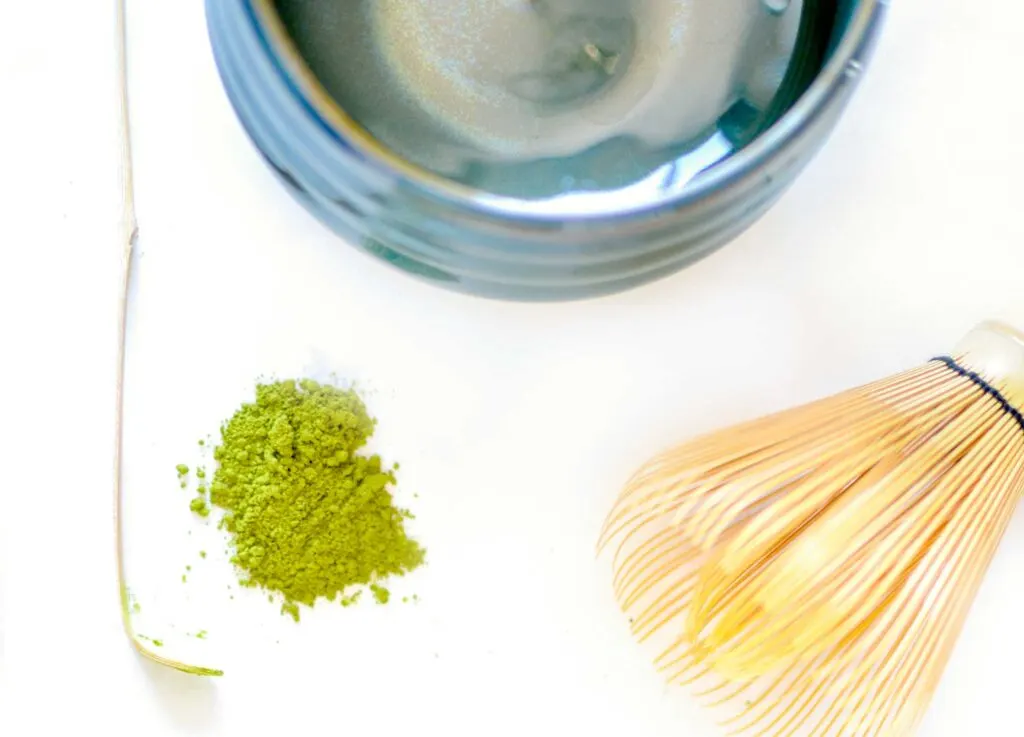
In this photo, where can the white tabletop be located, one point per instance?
(515, 424)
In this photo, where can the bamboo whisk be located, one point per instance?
(809, 572)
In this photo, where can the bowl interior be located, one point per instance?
(576, 103)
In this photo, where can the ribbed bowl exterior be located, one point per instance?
(464, 244)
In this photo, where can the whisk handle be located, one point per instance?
(992, 355)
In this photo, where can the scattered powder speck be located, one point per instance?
(200, 507)
(381, 594)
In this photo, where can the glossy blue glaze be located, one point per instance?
(474, 242)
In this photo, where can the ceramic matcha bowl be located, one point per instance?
(540, 149)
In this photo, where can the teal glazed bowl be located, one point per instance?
(494, 244)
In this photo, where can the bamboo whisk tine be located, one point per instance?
(810, 571)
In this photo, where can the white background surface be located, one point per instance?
(514, 424)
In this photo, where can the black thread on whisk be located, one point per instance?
(984, 386)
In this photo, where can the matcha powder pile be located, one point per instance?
(309, 516)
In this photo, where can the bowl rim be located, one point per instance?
(846, 61)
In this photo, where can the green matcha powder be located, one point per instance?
(309, 516)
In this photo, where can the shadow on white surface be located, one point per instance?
(187, 702)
